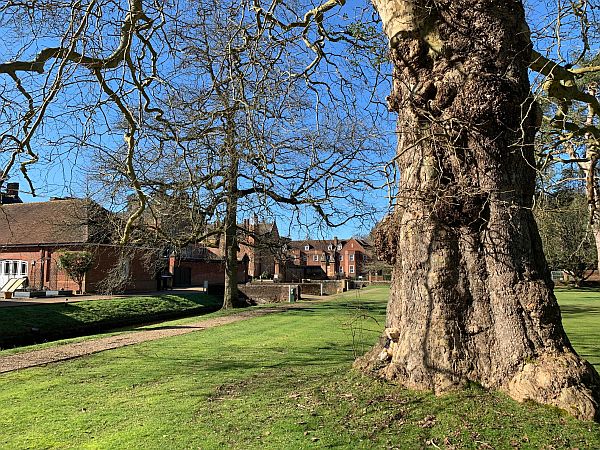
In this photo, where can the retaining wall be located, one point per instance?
(268, 293)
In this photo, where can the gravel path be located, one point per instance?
(69, 351)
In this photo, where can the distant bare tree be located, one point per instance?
(249, 129)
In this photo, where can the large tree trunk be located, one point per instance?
(471, 296)
(231, 252)
(596, 233)
(231, 247)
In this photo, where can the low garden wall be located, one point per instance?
(330, 287)
(268, 293)
(310, 288)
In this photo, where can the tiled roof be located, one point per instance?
(323, 244)
(201, 253)
(314, 244)
(56, 222)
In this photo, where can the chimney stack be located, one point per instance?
(11, 195)
(12, 189)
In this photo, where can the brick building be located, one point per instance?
(260, 250)
(195, 264)
(327, 259)
(33, 234)
(261, 243)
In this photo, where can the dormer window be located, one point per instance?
(339, 246)
(306, 248)
(330, 247)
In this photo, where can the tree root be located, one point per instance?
(563, 380)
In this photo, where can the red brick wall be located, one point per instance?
(268, 293)
(141, 276)
(46, 258)
(211, 271)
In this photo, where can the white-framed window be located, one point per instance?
(341, 257)
(306, 248)
(322, 257)
(330, 247)
(341, 270)
(339, 246)
(351, 256)
(351, 269)
(315, 257)
(14, 268)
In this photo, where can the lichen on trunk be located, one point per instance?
(471, 296)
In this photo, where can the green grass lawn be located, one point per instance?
(581, 319)
(28, 324)
(281, 381)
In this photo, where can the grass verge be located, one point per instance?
(280, 381)
(23, 325)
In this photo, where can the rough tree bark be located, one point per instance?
(471, 295)
(596, 233)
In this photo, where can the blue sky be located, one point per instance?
(62, 168)
(61, 172)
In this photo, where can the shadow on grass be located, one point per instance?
(269, 358)
(578, 309)
(26, 325)
(369, 306)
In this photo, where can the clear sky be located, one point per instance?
(62, 169)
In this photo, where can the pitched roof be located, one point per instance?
(204, 253)
(315, 244)
(69, 221)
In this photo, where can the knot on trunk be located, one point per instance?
(560, 379)
(386, 235)
(389, 342)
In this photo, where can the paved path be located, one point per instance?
(70, 351)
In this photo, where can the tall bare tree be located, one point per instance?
(219, 112)
(472, 297)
